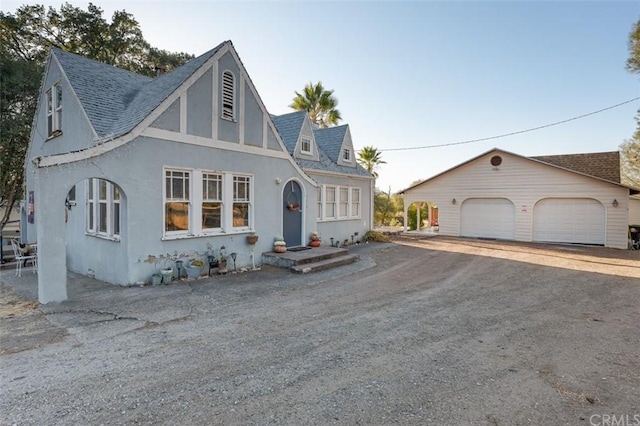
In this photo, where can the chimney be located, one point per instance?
(160, 70)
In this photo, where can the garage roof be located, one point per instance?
(599, 165)
(605, 165)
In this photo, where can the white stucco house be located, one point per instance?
(574, 198)
(122, 167)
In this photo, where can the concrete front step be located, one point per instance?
(321, 265)
(312, 259)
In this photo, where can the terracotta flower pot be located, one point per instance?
(314, 243)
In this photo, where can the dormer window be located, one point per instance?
(228, 95)
(346, 155)
(305, 145)
(54, 110)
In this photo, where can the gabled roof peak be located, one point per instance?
(604, 166)
(117, 100)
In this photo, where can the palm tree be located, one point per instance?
(320, 103)
(369, 158)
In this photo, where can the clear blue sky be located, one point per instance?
(411, 74)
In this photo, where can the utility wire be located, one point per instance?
(513, 133)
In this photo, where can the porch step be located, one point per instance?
(311, 260)
(321, 265)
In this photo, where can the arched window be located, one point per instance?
(228, 95)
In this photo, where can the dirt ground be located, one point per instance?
(426, 331)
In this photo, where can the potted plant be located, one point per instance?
(314, 239)
(156, 279)
(279, 245)
(165, 272)
(252, 238)
(194, 268)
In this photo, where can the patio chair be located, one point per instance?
(22, 258)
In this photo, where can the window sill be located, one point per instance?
(206, 234)
(339, 219)
(114, 238)
(54, 135)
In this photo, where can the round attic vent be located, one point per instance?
(496, 160)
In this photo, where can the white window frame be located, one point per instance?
(343, 202)
(230, 183)
(307, 141)
(346, 155)
(228, 96)
(242, 196)
(319, 203)
(330, 201)
(54, 110)
(211, 177)
(345, 196)
(355, 203)
(187, 191)
(112, 210)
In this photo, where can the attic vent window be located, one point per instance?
(228, 95)
(496, 160)
(346, 155)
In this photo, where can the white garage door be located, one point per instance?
(488, 218)
(569, 220)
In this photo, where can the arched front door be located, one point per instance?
(292, 214)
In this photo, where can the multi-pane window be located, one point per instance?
(176, 205)
(228, 95)
(103, 208)
(202, 202)
(241, 201)
(338, 203)
(344, 202)
(355, 202)
(211, 200)
(116, 209)
(346, 154)
(330, 204)
(54, 109)
(305, 145)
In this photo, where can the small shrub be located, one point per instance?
(197, 263)
(375, 237)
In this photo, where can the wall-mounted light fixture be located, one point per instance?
(69, 204)
(453, 201)
(615, 203)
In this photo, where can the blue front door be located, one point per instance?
(292, 214)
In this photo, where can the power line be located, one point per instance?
(513, 133)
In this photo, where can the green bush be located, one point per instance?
(375, 237)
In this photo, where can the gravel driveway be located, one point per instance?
(421, 331)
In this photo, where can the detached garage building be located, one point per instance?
(574, 198)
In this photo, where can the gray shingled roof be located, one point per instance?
(604, 165)
(116, 100)
(104, 90)
(289, 126)
(327, 165)
(330, 139)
